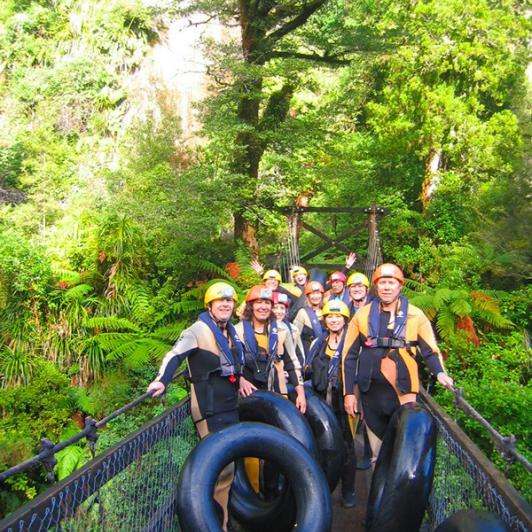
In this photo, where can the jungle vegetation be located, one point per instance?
(111, 223)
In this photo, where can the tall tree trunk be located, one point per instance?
(432, 178)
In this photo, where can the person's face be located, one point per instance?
(388, 289)
(262, 309)
(315, 297)
(272, 284)
(358, 291)
(334, 322)
(222, 309)
(337, 287)
(300, 279)
(279, 311)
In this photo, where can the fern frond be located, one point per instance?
(124, 350)
(485, 302)
(185, 307)
(139, 358)
(195, 294)
(426, 303)
(207, 266)
(72, 278)
(415, 286)
(460, 307)
(110, 323)
(169, 333)
(441, 295)
(445, 322)
(139, 297)
(78, 292)
(113, 340)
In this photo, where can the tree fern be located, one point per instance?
(111, 323)
(78, 292)
(170, 333)
(441, 295)
(112, 340)
(139, 297)
(445, 322)
(460, 307)
(426, 303)
(207, 266)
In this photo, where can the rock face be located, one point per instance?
(11, 196)
(174, 75)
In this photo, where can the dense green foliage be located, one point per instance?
(110, 223)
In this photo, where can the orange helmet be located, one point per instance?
(313, 286)
(337, 276)
(388, 270)
(279, 297)
(259, 291)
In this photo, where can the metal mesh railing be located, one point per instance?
(131, 486)
(465, 479)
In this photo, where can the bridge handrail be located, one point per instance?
(505, 444)
(47, 455)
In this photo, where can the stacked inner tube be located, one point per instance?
(404, 471)
(196, 506)
(248, 507)
(328, 435)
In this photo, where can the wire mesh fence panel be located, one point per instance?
(131, 486)
(463, 482)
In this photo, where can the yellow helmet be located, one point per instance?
(298, 270)
(358, 278)
(219, 290)
(335, 306)
(272, 274)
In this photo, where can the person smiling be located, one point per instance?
(215, 358)
(268, 346)
(378, 359)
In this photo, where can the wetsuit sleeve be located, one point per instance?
(291, 362)
(299, 320)
(300, 350)
(186, 345)
(427, 346)
(350, 353)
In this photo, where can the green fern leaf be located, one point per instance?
(445, 322)
(77, 293)
(207, 266)
(110, 323)
(441, 295)
(169, 332)
(69, 459)
(460, 307)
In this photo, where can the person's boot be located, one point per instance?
(348, 484)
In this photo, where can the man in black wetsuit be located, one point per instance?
(215, 357)
(378, 359)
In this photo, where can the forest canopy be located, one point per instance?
(112, 220)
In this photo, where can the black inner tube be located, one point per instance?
(196, 507)
(404, 472)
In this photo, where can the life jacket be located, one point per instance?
(261, 365)
(353, 309)
(229, 365)
(387, 346)
(325, 369)
(397, 340)
(345, 297)
(317, 328)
